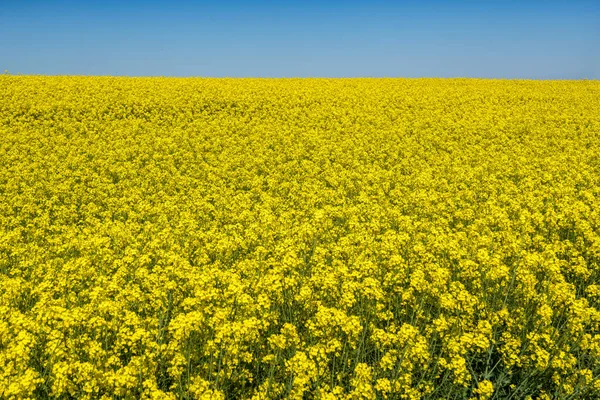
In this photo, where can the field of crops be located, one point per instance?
(189, 238)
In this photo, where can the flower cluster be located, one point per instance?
(193, 238)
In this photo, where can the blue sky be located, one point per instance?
(485, 38)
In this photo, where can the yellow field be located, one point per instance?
(302, 238)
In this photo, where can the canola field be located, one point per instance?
(187, 238)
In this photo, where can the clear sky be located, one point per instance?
(486, 38)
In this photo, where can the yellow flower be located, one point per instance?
(298, 238)
(485, 389)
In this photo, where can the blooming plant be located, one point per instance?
(299, 238)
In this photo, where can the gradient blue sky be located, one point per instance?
(495, 39)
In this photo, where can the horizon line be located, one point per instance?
(458, 77)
